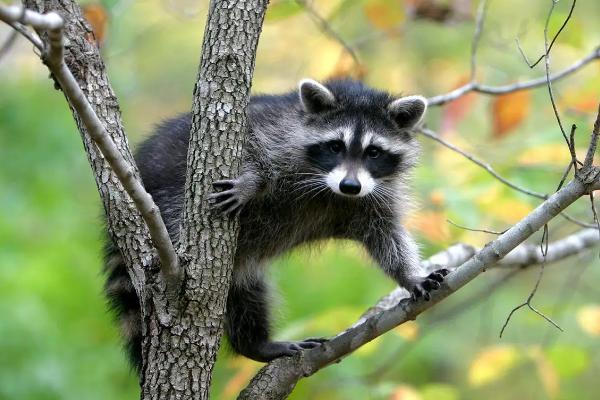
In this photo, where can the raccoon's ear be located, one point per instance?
(408, 111)
(315, 97)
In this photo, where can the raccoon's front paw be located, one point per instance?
(430, 283)
(231, 197)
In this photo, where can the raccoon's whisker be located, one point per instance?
(314, 189)
(386, 192)
(325, 187)
(307, 184)
(380, 199)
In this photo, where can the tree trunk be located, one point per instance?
(181, 354)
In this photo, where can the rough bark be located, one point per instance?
(82, 57)
(182, 352)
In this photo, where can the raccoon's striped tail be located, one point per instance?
(123, 300)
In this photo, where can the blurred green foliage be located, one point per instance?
(57, 340)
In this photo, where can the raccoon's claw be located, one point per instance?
(224, 184)
(229, 201)
(430, 283)
(270, 350)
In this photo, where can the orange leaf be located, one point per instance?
(404, 392)
(97, 16)
(431, 224)
(509, 111)
(456, 110)
(384, 14)
(347, 67)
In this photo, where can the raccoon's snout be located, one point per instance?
(350, 186)
(350, 183)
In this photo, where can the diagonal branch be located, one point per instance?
(434, 136)
(53, 57)
(515, 87)
(277, 379)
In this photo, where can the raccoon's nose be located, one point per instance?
(350, 186)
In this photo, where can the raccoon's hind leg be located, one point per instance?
(247, 324)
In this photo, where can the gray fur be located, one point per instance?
(284, 198)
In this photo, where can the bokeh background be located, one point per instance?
(57, 340)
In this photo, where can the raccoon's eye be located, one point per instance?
(336, 146)
(372, 152)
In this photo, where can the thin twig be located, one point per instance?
(8, 43)
(328, 30)
(527, 303)
(474, 229)
(593, 206)
(432, 135)
(549, 48)
(549, 82)
(481, 12)
(510, 88)
(36, 41)
(589, 157)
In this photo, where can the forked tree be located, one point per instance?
(183, 286)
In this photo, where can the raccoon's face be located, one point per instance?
(360, 138)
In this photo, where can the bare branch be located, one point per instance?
(481, 12)
(589, 157)
(475, 229)
(548, 48)
(18, 27)
(328, 30)
(277, 379)
(504, 89)
(432, 135)
(549, 82)
(53, 58)
(544, 251)
(8, 43)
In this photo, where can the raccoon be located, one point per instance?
(325, 161)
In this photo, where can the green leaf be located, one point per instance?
(439, 391)
(282, 9)
(568, 361)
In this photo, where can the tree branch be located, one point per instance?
(504, 89)
(278, 378)
(52, 56)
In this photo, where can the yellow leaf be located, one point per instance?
(508, 111)
(588, 318)
(437, 198)
(347, 67)
(368, 348)
(495, 204)
(552, 153)
(448, 160)
(408, 331)
(246, 369)
(546, 372)
(404, 392)
(384, 14)
(431, 224)
(491, 364)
